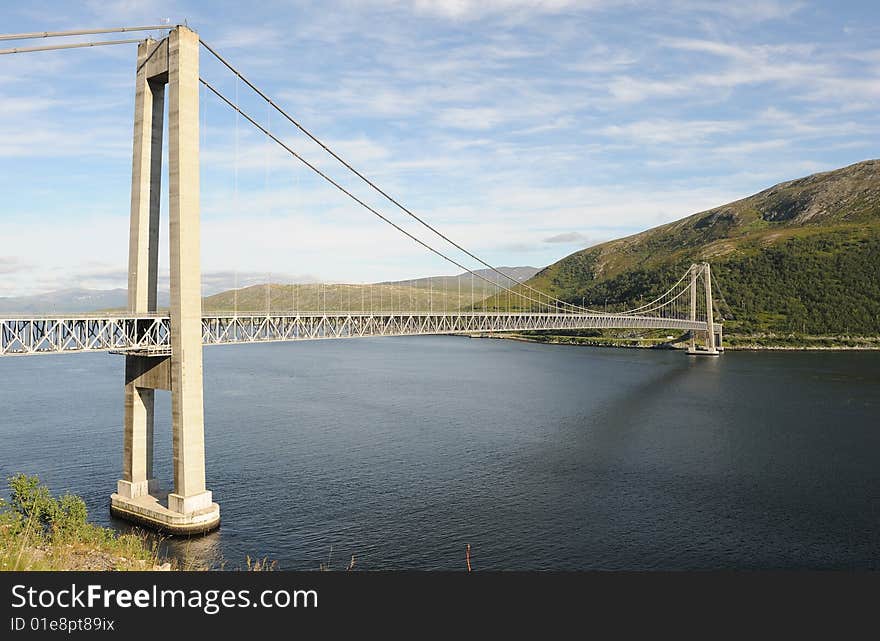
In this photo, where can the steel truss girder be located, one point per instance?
(46, 335)
(152, 334)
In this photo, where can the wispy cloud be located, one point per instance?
(240, 36)
(569, 238)
(51, 140)
(148, 12)
(788, 66)
(477, 9)
(12, 265)
(680, 132)
(747, 11)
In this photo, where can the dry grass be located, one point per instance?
(29, 551)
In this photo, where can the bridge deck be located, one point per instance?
(151, 334)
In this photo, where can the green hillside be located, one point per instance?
(335, 297)
(437, 293)
(800, 257)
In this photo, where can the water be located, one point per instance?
(403, 450)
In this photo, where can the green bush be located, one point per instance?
(70, 519)
(40, 531)
(33, 506)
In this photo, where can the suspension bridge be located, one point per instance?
(163, 350)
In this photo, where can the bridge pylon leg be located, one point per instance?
(710, 312)
(710, 345)
(137, 450)
(693, 291)
(190, 508)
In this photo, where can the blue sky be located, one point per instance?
(524, 129)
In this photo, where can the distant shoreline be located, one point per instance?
(599, 342)
(788, 348)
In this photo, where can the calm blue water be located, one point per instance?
(403, 450)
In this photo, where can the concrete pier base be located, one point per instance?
(148, 510)
(132, 490)
(693, 351)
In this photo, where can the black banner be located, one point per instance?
(102, 604)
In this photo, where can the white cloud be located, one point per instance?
(671, 132)
(470, 118)
(746, 11)
(12, 265)
(245, 36)
(475, 9)
(569, 238)
(792, 67)
(713, 47)
(147, 12)
(52, 140)
(751, 147)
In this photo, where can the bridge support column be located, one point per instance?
(693, 347)
(187, 406)
(190, 507)
(710, 349)
(137, 449)
(710, 312)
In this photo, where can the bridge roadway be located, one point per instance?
(151, 334)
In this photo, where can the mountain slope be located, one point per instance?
(429, 293)
(802, 256)
(520, 274)
(432, 292)
(64, 301)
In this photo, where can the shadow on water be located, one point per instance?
(203, 552)
(621, 410)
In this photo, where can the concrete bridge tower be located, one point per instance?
(189, 508)
(713, 332)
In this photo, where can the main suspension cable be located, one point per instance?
(340, 187)
(82, 32)
(663, 295)
(564, 304)
(378, 189)
(378, 214)
(77, 45)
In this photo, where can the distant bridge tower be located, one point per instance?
(189, 509)
(713, 340)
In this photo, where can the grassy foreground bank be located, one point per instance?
(39, 531)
